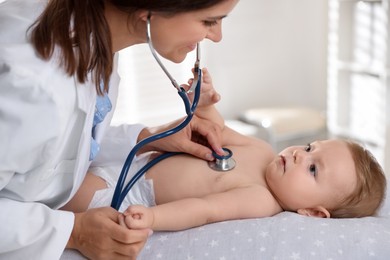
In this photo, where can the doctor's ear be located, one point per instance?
(143, 15)
(319, 212)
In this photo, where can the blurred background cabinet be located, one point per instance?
(358, 105)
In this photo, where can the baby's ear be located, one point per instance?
(319, 212)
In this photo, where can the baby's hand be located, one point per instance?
(208, 95)
(138, 217)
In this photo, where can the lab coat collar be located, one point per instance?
(86, 96)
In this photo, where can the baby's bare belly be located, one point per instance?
(183, 176)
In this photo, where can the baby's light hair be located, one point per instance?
(370, 189)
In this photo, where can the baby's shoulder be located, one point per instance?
(262, 200)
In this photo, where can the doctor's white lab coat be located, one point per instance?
(45, 134)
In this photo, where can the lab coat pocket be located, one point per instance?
(64, 170)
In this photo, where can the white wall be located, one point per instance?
(273, 53)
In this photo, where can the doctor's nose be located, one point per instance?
(215, 33)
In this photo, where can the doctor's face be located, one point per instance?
(175, 36)
(319, 174)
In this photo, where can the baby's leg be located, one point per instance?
(99, 185)
(84, 195)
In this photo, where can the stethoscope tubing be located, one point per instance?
(141, 172)
(120, 192)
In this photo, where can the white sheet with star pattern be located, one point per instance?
(284, 236)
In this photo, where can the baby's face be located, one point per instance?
(319, 174)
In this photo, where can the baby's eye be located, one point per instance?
(313, 170)
(308, 148)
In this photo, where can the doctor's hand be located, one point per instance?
(199, 138)
(97, 235)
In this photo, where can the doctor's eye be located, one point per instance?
(210, 23)
(308, 148)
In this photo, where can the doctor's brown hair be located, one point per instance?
(79, 29)
(370, 189)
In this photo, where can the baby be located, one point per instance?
(330, 178)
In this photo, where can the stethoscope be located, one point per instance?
(222, 163)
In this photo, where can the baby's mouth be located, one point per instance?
(283, 162)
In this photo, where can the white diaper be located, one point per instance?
(142, 191)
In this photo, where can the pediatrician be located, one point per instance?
(58, 88)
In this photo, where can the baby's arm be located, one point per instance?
(139, 217)
(208, 98)
(207, 110)
(248, 202)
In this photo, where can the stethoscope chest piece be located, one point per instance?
(223, 163)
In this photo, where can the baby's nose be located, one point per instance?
(299, 155)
